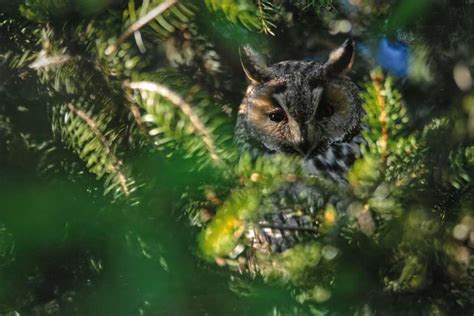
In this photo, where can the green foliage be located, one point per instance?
(266, 13)
(171, 120)
(242, 11)
(90, 136)
(380, 206)
(315, 4)
(176, 18)
(44, 10)
(258, 179)
(116, 154)
(387, 147)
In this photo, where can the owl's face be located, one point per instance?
(298, 106)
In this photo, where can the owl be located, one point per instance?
(308, 108)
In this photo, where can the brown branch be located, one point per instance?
(185, 107)
(279, 227)
(147, 18)
(377, 79)
(135, 110)
(116, 166)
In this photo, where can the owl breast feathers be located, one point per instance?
(308, 108)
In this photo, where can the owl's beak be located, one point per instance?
(309, 149)
(305, 148)
(311, 133)
(310, 141)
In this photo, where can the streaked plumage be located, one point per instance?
(308, 108)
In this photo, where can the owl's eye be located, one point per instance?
(325, 110)
(277, 116)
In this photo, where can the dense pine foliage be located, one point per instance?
(121, 191)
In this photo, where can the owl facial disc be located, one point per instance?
(299, 106)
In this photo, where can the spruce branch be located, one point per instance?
(116, 164)
(377, 80)
(198, 126)
(137, 116)
(45, 62)
(242, 11)
(263, 8)
(147, 18)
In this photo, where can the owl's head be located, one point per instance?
(299, 106)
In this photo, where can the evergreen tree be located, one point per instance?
(121, 190)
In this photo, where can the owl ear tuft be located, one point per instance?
(340, 60)
(254, 65)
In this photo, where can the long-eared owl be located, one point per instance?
(308, 108)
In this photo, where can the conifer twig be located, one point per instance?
(135, 110)
(185, 107)
(116, 165)
(147, 18)
(294, 228)
(261, 16)
(377, 78)
(44, 61)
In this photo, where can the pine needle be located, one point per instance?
(186, 108)
(147, 18)
(116, 166)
